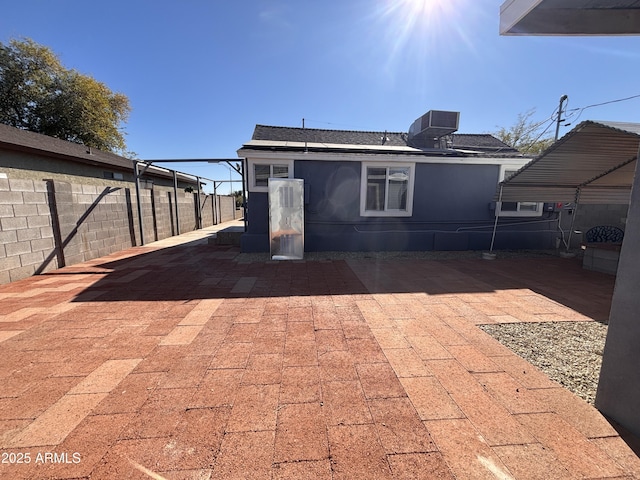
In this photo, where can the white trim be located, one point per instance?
(517, 213)
(386, 213)
(265, 161)
(387, 158)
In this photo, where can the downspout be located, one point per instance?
(136, 172)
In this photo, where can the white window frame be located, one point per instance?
(363, 190)
(252, 177)
(518, 212)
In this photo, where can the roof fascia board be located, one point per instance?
(378, 157)
(336, 146)
(50, 154)
(576, 18)
(513, 11)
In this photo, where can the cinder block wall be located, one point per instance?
(46, 224)
(588, 216)
(206, 203)
(227, 208)
(187, 211)
(26, 233)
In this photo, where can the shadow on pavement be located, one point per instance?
(197, 270)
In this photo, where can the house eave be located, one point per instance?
(306, 148)
(95, 162)
(354, 156)
(569, 17)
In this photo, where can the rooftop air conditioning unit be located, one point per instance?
(430, 127)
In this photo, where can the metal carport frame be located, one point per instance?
(149, 163)
(596, 163)
(593, 164)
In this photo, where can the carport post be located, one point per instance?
(573, 218)
(136, 172)
(175, 201)
(215, 204)
(199, 226)
(495, 224)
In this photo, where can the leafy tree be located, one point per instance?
(38, 94)
(238, 195)
(526, 135)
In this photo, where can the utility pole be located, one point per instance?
(563, 99)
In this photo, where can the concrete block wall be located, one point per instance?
(588, 216)
(26, 233)
(206, 202)
(92, 220)
(47, 224)
(187, 211)
(227, 208)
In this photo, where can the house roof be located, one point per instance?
(594, 163)
(271, 137)
(15, 139)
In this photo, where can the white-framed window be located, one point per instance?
(386, 190)
(516, 209)
(261, 170)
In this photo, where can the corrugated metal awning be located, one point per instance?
(595, 161)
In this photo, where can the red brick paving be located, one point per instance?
(178, 361)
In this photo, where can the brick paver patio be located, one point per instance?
(177, 361)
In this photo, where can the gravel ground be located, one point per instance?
(568, 352)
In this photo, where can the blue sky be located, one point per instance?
(200, 74)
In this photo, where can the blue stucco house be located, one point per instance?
(427, 189)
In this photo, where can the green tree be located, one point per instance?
(527, 136)
(238, 195)
(38, 94)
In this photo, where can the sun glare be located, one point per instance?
(424, 7)
(423, 30)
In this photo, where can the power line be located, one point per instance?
(579, 111)
(552, 122)
(607, 103)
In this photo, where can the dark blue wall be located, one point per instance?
(451, 211)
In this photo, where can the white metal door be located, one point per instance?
(286, 218)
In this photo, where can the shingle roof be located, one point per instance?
(479, 142)
(316, 135)
(17, 139)
(12, 138)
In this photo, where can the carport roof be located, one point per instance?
(594, 163)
